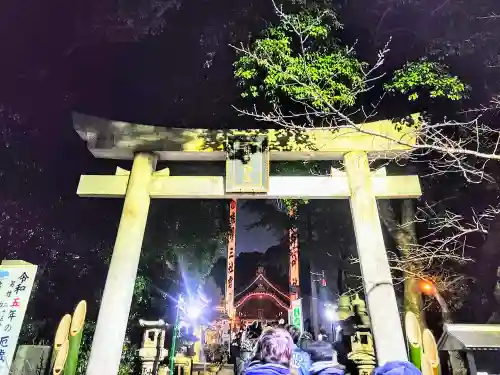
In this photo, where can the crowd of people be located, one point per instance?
(276, 349)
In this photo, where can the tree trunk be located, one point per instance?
(406, 239)
(404, 235)
(456, 361)
(485, 269)
(495, 317)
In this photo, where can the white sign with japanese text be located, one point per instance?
(297, 318)
(16, 282)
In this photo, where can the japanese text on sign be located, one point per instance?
(247, 165)
(231, 257)
(293, 240)
(296, 314)
(16, 283)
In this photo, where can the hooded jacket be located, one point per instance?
(397, 368)
(259, 368)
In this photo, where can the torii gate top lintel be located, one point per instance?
(109, 139)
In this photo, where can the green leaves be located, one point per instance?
(427, 76)
(313, 24)
(141, 290)
(299, 60)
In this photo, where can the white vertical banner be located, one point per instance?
(16, 283)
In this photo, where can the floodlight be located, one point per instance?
(194, 312)
(331, 313)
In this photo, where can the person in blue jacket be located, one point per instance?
(324, 359)
(300, 359)
(397, 368)
(273, 354)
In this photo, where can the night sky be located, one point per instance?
(255, 239)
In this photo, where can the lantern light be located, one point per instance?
(427, 287)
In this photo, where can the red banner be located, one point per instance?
(293, 243)
(231, 260)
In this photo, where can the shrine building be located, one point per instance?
(261, 300)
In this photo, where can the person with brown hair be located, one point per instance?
(273, 354)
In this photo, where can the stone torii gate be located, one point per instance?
(250, 179)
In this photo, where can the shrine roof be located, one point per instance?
(260, 281)
(111, 139)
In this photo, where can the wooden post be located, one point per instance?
(115, 305)
(377, 280)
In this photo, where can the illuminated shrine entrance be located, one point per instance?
(261, 300)
(247, 155)
(293, 272)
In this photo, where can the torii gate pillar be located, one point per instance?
(377, 280)
(107, 345)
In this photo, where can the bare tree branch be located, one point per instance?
(449, 146)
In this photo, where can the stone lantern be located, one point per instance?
(152, 351)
